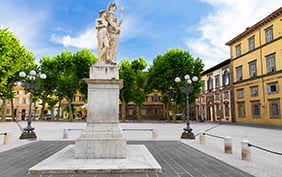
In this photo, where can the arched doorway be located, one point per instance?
(23, 114)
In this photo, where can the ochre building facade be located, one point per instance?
(256, 58)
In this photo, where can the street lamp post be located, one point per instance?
(187, 134)
(28, 132)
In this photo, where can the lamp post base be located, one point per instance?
(28, 135)
(187, 135)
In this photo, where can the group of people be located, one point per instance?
(108, 30)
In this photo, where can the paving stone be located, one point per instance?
(175, 158)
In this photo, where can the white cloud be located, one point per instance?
(230, 18)
(86, 39)
(23, 21)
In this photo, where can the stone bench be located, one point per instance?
(153, 130)
(65, 133)
(8, 118)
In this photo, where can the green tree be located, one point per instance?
(83, 60)
(73, 68)
(140, 90)
(162, 73)
(49, 85)
(126, 73)
(134, 85)
(13, 59)
(67, 80)
(52, 101)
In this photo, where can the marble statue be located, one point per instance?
(108, 31)
(102, 36)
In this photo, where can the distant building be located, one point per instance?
(215, 102)
(152, 108)
(21, 104)
(256, 59)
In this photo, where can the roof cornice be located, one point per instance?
(250, 30)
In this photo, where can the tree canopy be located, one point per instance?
(13, 58)
(165, 68)
(134, 84)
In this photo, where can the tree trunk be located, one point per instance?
(123, 110)
(139, 116)
(43, 107)
(174, 117)
(52, 114)
(70, 111)
(167, 112)
(59, 110)
(3, 110)
(183, 117)
(12, 109)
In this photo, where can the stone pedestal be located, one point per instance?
(102, 138)
(101, 147)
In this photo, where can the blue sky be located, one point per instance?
(150, 27)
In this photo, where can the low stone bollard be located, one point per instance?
(154, 133)
(228, 145)
(202, 137)
(245, 150)
(7, 137)
(65, 134)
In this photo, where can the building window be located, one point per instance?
(268, 34)
(156, 98)
(24, 100)
(130, 111)
(238, 50)
(255, 108)
(240, 93)
(17, 101)
(272, 87)
(210, 84)
(226, 95)
(143, 112)
(270, 63)
(241, 109)
(203, 88)
(239, 73)
(226, 109)
(253, 69)
(274, 107)
(217, 81)
(226, 78)
(251, 43)
(217, 97)
(254, 91)
(7, 111)
(156, 112)
(17, 92)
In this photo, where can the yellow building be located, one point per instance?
(21, 104)
(256, 57)
(152, 108)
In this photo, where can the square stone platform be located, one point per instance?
(139, 159)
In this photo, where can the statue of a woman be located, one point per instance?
(108, 34)
(102, 36)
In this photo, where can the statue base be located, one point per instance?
(102, 138)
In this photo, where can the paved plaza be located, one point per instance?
(177, 157)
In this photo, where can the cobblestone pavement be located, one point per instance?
(176, 159)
